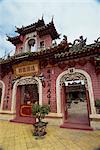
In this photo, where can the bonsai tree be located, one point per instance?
(39, 113)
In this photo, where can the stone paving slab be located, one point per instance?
(15, 136)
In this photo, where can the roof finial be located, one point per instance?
(7, 36)
(52, 19)
(16, 27)
(42, 17)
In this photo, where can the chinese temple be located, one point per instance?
(66, 76)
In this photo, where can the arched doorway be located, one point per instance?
(29, 93)
(77, 107)
(2, 91)
(26, 90)
(75, 100)
(24, 86)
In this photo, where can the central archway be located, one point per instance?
(25, 81)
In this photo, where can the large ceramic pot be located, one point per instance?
(40, 128)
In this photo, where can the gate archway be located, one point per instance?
(25, 81)
(72, 74)
(2, 92)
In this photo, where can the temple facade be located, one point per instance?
(66, 76)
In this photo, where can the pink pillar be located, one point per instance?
(18, 99)
(88, 104)
(63, 102)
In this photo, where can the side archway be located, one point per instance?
(2, 86)
(71, 71)
(26, 80)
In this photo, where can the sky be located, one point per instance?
(71, 18)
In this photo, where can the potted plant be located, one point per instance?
(39, 113)
(97, 105)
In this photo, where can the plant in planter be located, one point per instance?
(97, 105)
(39, 113)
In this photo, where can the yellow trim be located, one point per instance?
(24, 64)
(22, 108)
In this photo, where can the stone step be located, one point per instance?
(76, 126)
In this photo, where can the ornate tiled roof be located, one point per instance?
(97, 58)
(39, 26)
(48, 29)
(30, 28)
(79, 48)
(62, 51)
(14, 40)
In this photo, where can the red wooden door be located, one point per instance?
(18, 101)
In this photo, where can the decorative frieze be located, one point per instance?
(62, 65)
(26, 68)
(49, 85)
(72, 76)
(96, 62)
(9, 86)
(27, 81)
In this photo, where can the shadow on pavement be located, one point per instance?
(97, 148)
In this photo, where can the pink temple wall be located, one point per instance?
(55, 71)
(47, 40)
(8, 91)
(19, 47)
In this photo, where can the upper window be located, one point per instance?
(41, 44)
(31, 44)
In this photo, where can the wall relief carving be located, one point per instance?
(73, 76)
(27, 81)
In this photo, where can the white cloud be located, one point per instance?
(5, 46)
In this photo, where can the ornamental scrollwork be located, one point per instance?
(73, 77)
(97, 42)
(27, 81)
(78, 43)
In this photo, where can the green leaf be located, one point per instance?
(40, 111)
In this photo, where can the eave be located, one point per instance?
(30, 28)
(58, 53)
(14, 40)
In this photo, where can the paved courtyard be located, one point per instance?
(14, 136)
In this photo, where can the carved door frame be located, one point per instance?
(24, 81)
